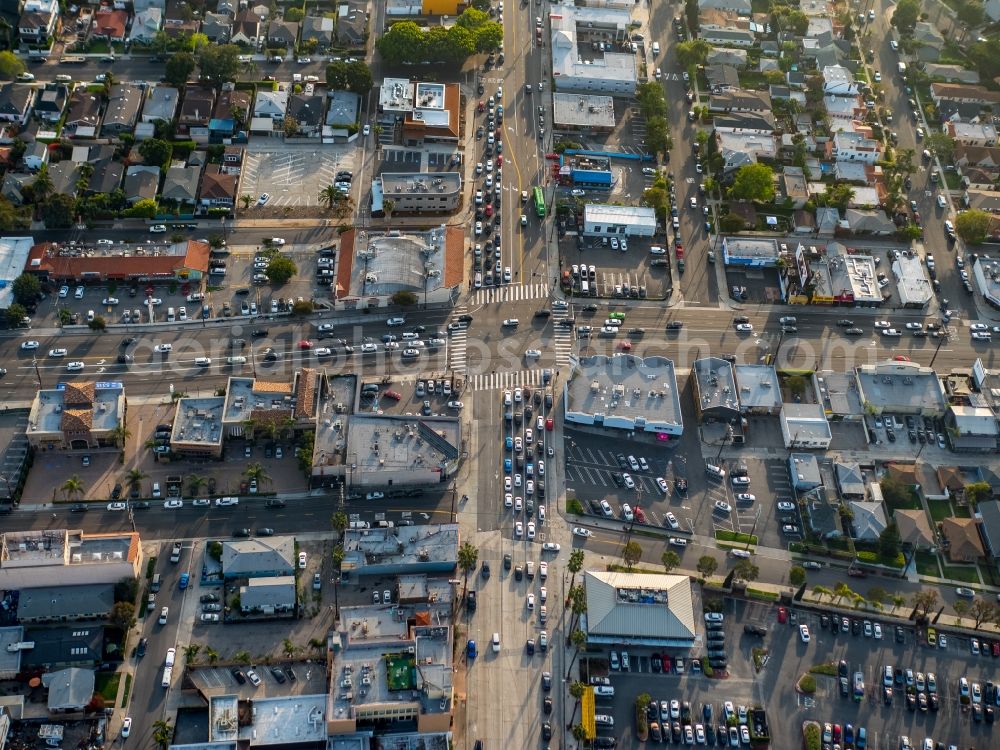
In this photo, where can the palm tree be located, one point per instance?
(578, 604)
(842, 591)
(72, 486)
(576, 689)
(288, 648)
(822, 591)
(468, 558)
(339, 522)
(258, 473)
(120, 433)
(134, 478)
(579, 639)
(241, 657)
(163, 733)
(575, 565)
(43, 186)
(329, 195)
(211, 654)
(195, 483)
(191, 652)
(246, 199)
(388, 207)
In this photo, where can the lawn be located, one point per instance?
(964, 573)
(962, 511)
(927, 564)
(940, 509)
(106, 685)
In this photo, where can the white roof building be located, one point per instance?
(581, 68)
(641, 609)
(630, 221)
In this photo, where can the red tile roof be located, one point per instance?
(117, 266)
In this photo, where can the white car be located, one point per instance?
(672, 522)
(117, 506)
(74, 366)
(126, 727)
(57, 352)
(723, 507)
(662, 484)
(457, 405)
(979, 327)
(531, 529)
(533, 353)
(744, 327)
(914, 326)
(63, 292)
(29, 345)
(518, 529)
(366, 130)
(785, 505)
(676, 541)
(981, 336)
(881, 324)
(173, 504)
(741, 481)
(582, 532)
(578, 193)
(203, 361)
(78, 292)
(750, 498)
(157, 229)
(302, 560)
(804, 633)
(629, 481)
(551, 547)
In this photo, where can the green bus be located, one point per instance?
(539, 201)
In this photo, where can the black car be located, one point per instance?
(759, 630)
(546, 731)
(655, 662)
(79, 508)
(278, 675)
(485, 570)
(547, 704)
(127, 341)
(507, 561)
(291, 674)
(465, 318)
(622, 461)
(675, 325)
(900, 636)
(242, 533)
(140, 650)
(617, 478)
(855, 627)
(238, 674)
(208, 598)
(116, 491)
(264, 532)
(141, 505)
(259, 333)
(275, 503)
(546, 681)
(845, 322)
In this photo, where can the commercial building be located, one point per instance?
(586, 172)
(912, 283)
(625, 392)
(600, 220)
(638, 609)
(972, 429)
(587, 113)
(805, 426)
(803, 468)
(430, 111)
(62, 263)
(372, 267)
(751, 252)
(268, 596)
(60, 557)
(986, 277)
(900, 388)
(13, 258)
(589, 55)
(77, 416)
(403, 550)
(271, 557)
(759, 389)
(420, 192)
(401, 451)
(716, 395)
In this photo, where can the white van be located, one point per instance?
(236, 360)
(168, 673)
(63, 78)
(170, 315)
(656, 48)
(584, 287)
(901, 67)
(496, 643)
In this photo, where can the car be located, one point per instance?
(582, 532)
(965, 592)
(744, 327)
(126, 726)
(76, 366)
(804, 632)
(302, 560)
(721, 506)
(57, 352)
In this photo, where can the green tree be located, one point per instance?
(331, 196)
(754, 182)
(889, 542)
(983, 611)
(10, 66)
(745, 571)
(894, 491)
(179, 67)
(575, 565)
(707, 565)
(404, 299)
(258, 473)
(468, 559)
(940, 144)
(245, 200)
(303, 307)
(972, 225)
(72, 487)
(971, 13)
(961, 607)
(403, 42)
(877, 596)
(126, 589)
(796, 575)
(339, 521)
(977, 492)
(280, 269)
(195, 483)
(576, 691)
(219, 63)
(670, 560)
(98, 323)
(59, 211)
(156, 152)
(288, 648)
(651, 99)
(631, 553)
(925, 600)
(693, 52)
(489, 37)
(134, 478)
(14, 314)
(822, 591)
(906, 15)
(658, 139)
(796, 385)
(163, 733)
(122, 615)
(793, 20)
(986, 57)
(26, 289)
(294, 14)
(336, 75)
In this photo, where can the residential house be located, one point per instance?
(827, 221)
(230, 114)
(928, 41)
(196, 111)
(972, 429)
(107, 172)
(758, 123)
(962, 542)
(181, 185)
(34, 27)
(218, 27)
(259, 558)
(740, 100)
(248, 29)
(15, 102)
(740, 7)
(951, 73)
(218, 188)
(36, 155)
(51, 102)
(914, 529)
(850, 480)
(793, 187)
(283, 33)
(844, 110)
(84, 116)
(146, 25)
(161, 104)
(856, 146)
(142, 182)
(177, 28)
(973, 133)
(66, 176)
(318, 28)
(140, 5)
(352, 23)
(961, 93)
(727, 56)
(14, 184)
(839, 81)
(728, 37)
(110, 24)
(123, 109)
(989, 515)
(232, 159)
(269, 112)
(307, 110)
(868, 222)
(869, 520)
(722, 77)
(986, 158)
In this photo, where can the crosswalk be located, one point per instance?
(498, 381)
(510, 293)
(562, 337)
(458, 344)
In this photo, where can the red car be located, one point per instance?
(481, 106)
(500, 161)
(639, 515)
(553, 157)
(489, 210)
(996, 648)
(304, 344)
(549, 424)
(393, 395)
(625, 346)
(782, 615)
(666, 663)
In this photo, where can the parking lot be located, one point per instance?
(787, 659)
(294, 175)
(616, 273)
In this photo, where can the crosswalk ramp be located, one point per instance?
(499, 381)
(458, 345)
(510, 293)
(562, 337)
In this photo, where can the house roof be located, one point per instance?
(914, 528)
(989, 512)
(216, 185)
(638, 606)
(306, 392)
(84, 109)
(107, 176)
(850, 480)
(110, 23)
(31, 19)
(868, 221)
(285, 30)
(307, 109)
(14, 99)
(142, 181)
(65, 175)
(71, 602)
(963, 534)
(123, 106)
(161, 103)
(181, 184)
(194, 257)
(259, 556)
(869, 519)
(69, 688)
(199, 101)
(951, 478)
(317, 27)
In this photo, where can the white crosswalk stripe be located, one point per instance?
(498, 381)
(458, 343)
(510, 293)
(562, 338)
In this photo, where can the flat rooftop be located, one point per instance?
(70, 407)
(29, 549)
(335, 406)
(583, 111)
(893, 384)
(753, 248)
(403, 183)
(602, 213)
(716, 383)
(13, 255)
(198, 421)
(627, 391)
(287, 720)
(838, 393)
(854, 273)
(400, 546)
(246, 395)
(911, 280)
(388, 263)
(393, 443)
(758, 386)
(396, 94)
(806, 422)
(986, 273)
